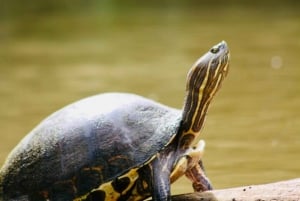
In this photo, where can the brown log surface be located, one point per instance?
(279, 191)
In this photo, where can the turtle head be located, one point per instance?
(203, 81)
(209, 70)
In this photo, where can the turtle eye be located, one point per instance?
(215, 50)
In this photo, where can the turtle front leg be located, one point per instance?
(160, 180)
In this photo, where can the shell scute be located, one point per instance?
(88, 178)
(94, 141)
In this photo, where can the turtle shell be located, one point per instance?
(107, 134)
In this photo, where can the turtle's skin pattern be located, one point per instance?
(116, 146)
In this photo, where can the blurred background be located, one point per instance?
(54, 52)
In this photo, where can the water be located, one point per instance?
(252, 130)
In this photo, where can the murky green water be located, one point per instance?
(252, 130)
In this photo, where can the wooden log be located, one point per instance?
(279, 191)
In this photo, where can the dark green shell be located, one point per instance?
(89, 142)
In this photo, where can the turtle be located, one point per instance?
(117, 146)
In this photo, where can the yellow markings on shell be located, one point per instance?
(110, 193)
(135, 195)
